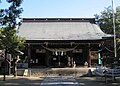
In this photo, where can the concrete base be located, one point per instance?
(22, 72)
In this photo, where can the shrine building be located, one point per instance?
(62, 42)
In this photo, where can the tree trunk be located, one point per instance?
(14, 67)
(5, 66)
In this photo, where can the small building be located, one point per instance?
(62, 42)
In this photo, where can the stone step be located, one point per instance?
(39, 72)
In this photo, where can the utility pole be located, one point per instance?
(115, 51)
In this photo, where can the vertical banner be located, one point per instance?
(99, 59)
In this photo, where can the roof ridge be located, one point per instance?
(91, 20)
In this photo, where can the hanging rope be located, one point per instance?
(60, 49)
(109, 50)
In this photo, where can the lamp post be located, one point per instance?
(115, 51)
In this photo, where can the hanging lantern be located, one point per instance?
(62, 53)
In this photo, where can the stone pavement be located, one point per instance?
(71, 81)
(59, 81)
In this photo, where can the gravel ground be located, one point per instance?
(35, 81)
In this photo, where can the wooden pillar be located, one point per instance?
(89, 58)
(47, 58)
(88, 55)
(72, 58)
(29, 55)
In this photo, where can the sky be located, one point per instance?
(62, 8)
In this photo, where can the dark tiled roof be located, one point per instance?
(60, 29)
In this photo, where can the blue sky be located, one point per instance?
(62, 8)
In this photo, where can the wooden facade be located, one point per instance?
(51, 51)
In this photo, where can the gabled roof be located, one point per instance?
(60, 29)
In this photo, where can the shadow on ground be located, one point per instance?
(21, 81)
(100, 81)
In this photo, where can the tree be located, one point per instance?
(12, 43)
(9, 16)
(105, 21)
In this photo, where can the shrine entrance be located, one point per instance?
(59, 55)
(59, 61)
